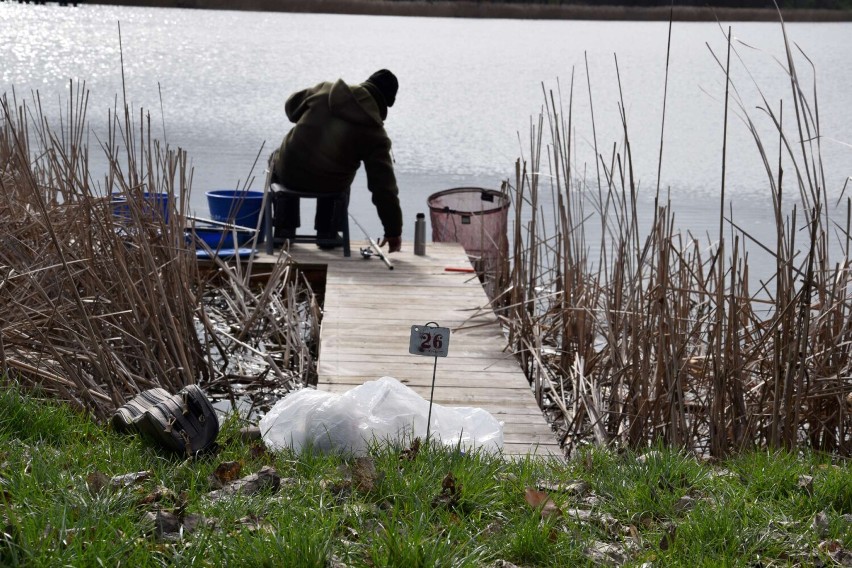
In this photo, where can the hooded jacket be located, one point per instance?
(338, 126)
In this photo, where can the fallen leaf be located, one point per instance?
(820, 523)
(504, 564)
(157, 495)
(450, 495)
(364, 475)
(651, 456)
(182, 502)
(266, 478)
(722, 472)
(449, 482)
(685, 503)
(590, 500)
(806, 483)
(258, 451)
(358, 509)
(335, 562)
(410, 454)
(605, 553)
(541, 500)
(602, 520)
(96, 481)
(171, 526)
(253, 523)
(493, 528)
(507, 477)
(225, 473)
(192, 522)
(668, 539)
(576, 488)
(635, 534)
(352, 534)
(129, 479)
(834, 549)
(842, 557)
(340, 488)
(164, 522)
(67, 537)
(830, 546)
(535, 498)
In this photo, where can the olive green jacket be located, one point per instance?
(338, 126)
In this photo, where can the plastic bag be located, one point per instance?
(383, 410)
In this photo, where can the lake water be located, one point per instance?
(469, 90)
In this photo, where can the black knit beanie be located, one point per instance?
(386, 83)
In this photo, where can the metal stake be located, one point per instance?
(431, 397)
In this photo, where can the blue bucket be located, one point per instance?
(217, 237)
(242, 208)
(154, 204)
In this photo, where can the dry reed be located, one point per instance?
(100, 300)
(658, 340)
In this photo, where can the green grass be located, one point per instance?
(667, 509)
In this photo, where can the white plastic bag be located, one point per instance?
(382, 410)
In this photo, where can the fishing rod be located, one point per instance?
(377, 250)
(220, 224)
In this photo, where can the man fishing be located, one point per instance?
(338, 126)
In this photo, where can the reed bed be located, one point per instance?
(100, 305)
(658, 338)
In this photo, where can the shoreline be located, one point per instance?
(472, 9)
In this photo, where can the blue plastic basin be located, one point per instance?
(242, 208)
(218, 238)
(153, 204)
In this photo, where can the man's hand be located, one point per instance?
(394, 243)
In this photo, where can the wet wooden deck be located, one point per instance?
(368, 312)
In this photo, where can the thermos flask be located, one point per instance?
(420, 235)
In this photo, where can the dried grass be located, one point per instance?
(99, 306)
(658, 340)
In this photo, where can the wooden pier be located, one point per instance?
(368, 311)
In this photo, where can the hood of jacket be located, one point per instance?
(353, 103)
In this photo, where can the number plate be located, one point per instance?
(429, 341)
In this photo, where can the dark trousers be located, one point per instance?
(286, 218)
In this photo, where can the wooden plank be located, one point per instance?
(379, 352)
(391, 343)
(399, 326)
(367, 315)
(373, 320)
(481, 390)
(481, 359)
(485, 371)
(446, 365)
(456, 397)
(305, 251)
(423, 375)
(534, 450)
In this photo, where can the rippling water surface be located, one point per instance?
(470, 90)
